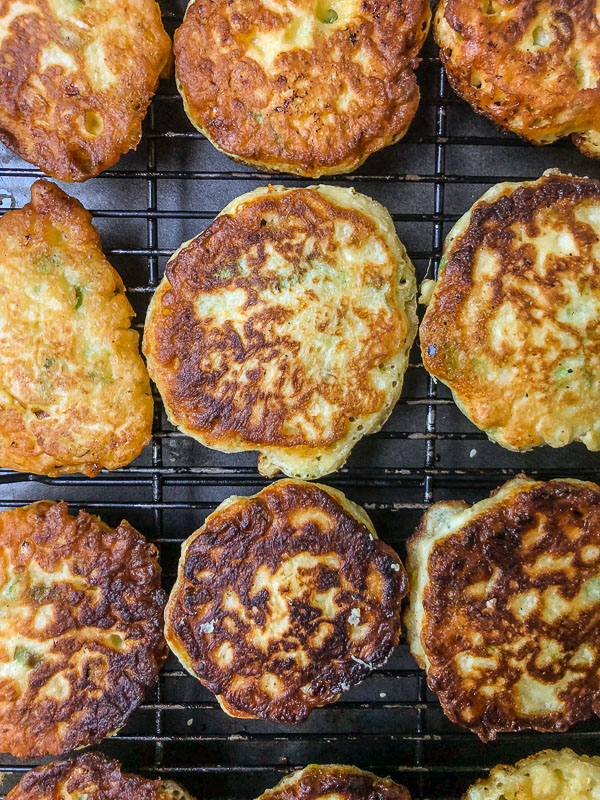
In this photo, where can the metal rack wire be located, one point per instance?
(168, 191)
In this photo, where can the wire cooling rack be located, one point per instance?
(165, 193)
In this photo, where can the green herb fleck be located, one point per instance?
(26, 657)
(39, 592)
(329, 16)
(224, 274)
(78, 297)
(46, 263)
(11, 589)
(48, 362)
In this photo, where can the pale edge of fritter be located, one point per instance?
(293, 169)
(344, 769)
(350, 507)
(441, 521)
(430, 290)
(275, 459)
(547, 775)
(169, 790)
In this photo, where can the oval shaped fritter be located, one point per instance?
(548, 775)
(285, 327)
(311, 87)
(74, 391)
(81, 614)
(513, 326)
(532, 66)
(76, 78)
(335, 782)
(505, 606)
(91, 776)
(283, 600)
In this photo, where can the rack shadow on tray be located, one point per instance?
(162, 195)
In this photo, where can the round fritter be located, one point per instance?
(505, 606)
(513, 326)
(74, 391)
(91, 776)
(285, 327)
(283, 600)
(81, 614)
(335, 782)
(76, 78)
(532, 66)
(311, 87)
(548, 775)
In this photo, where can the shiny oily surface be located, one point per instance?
(335, 782)
(305, 86)
(548, 775)
(504, 609)
(74, 391)
(81, 612)
(512, 324)
(284, 600)
(285, 327)
(76, 78)
(531, 66)
(92, 776)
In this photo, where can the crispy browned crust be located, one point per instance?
(540, 93)
(243, 543)
(200, 367)
(290, 116)
(452, 349)
(43, 111)
(121, 594)
(499, 542)
(91, 775)
(54, 417)
(325, 780)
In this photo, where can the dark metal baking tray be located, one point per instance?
(168, 191)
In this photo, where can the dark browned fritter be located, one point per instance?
(306, 87)
(510, 632)
(91, 776)
(284, 600)
(81, 614)
(322, 781)
(532, 66)
(76, 78)
(512, 327)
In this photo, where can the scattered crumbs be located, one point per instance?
(382, 694)
(473, 453)
(395, 567)
(190, 721)
(354, 617)
(431, 349)
(207, 627)
(360, 661)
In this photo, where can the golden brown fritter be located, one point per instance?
(548, 775)
(283, 600)
(505, 606)
(335, 782)
(311, 87)
(81, 614)
(76, 78)
(285, 327)
(74, 391)
(513, 327)
(91, 776)
(532, 66)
